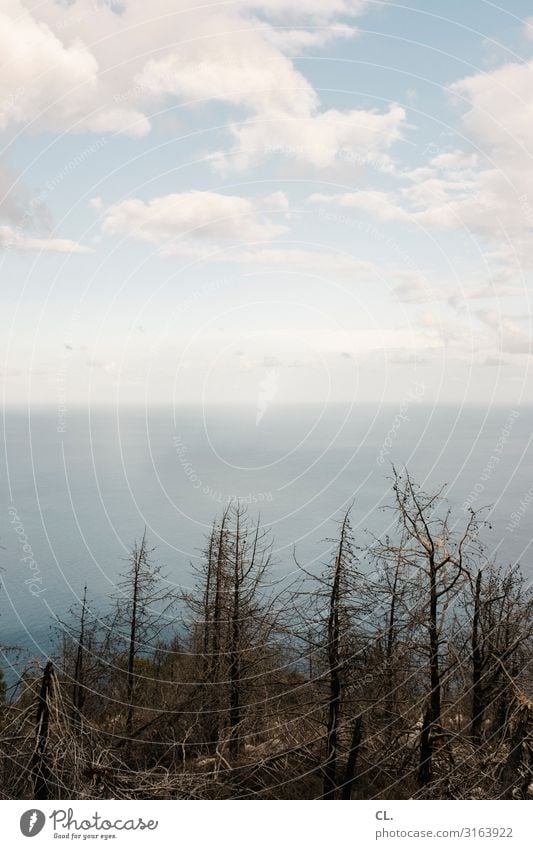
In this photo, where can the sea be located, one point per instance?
(79, 486)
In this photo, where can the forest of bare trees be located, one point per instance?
(401, 669)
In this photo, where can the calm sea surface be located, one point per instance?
(77, 490)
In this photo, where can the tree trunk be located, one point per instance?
(435, 699)
(389, 649)
(433, 713)
(335, 688)
(40, 770)
(214, 717)
(510, 773)
(425, 770)
(351, 764)
(78, 689)
(478, 706)
(234, 667)
(132, 650)
(207, 609)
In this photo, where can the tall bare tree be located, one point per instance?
(234, 618)
(144, 609)
(440, 550)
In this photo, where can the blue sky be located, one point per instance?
(329, 202)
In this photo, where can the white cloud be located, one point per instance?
(10, 238)
(500, 107)
(319, 11)
(26, 220)
(86, 66)
(511, 337)
(13, 198)
(197, 215)
(381, 205)
(305, 261)
(214, 227)
(440, 197)
(368, 340)
(240, 69)
(282, 258)
(248, 71)
(499, 121)
(318, 138)
(445, 194)
(413, 288)
(48, 84)
(294, 40)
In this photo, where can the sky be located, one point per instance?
(321, 202)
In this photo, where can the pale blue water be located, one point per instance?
(82, 495)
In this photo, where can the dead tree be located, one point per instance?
(87, 661)
(144, 608)
(233, 617)
(208, 629)
(442, 555)
(353, 754)
(137, 563)
(329, 629)
(500, 607)
(392, 592)
(235, 644)
(251, 616)
(213, 624)
(519, 756)
(39, 767)
(78, 685)
(333, 653)
(478, 664)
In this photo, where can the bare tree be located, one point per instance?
(333, 638)
(440, 553)
(78, 685)
(499, 605)
(40, 761)
(403, 662)
(329, 628)
(234, 618)
(144, 609)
